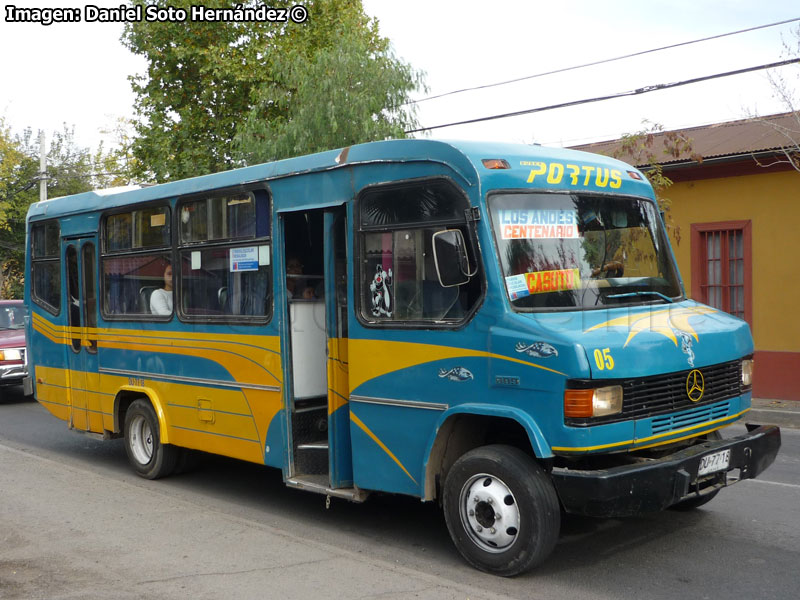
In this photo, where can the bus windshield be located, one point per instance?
(580, 250)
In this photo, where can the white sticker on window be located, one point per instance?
(263, 256)
(196, 262)
(244, 259)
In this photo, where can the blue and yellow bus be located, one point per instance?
(499, 328)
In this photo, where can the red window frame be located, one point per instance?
(722, 266)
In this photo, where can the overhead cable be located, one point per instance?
(600, 62)
(636, 92)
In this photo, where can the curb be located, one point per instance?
(765, 416)
(774, 412)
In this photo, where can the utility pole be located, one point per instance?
(42, 169)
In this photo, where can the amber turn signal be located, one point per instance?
(597, 402)
(496, 163)
(578, 403)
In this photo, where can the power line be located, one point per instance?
(600, 62)
(50, 176)
(636, 92)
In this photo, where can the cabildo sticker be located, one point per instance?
(541, 282)
(531, 224)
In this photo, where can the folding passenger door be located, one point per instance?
(316, 363)
(337, 282)
(81, 348)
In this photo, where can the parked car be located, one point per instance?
(13, 357)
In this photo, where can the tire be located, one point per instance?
(501, 476)
(148, 456)
(187, 461)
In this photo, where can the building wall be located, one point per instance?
(771, 201)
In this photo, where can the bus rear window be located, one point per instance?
(46, 266)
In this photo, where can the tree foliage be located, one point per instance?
(204, 79)
(342, 95)
(71, 169)
(786, 89)
(640, 148)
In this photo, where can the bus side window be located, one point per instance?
(224, 237)
(399, 281)
(46, 266)
(135, 257)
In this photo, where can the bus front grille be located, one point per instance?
(644, 397)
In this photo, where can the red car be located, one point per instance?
(13, 359)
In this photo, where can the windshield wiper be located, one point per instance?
(648, 293)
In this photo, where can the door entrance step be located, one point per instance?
(313, 446)
(320, 484)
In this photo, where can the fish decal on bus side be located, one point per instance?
(456, 374)
(536, 349)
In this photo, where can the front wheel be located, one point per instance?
(501, 510)
(148, 456)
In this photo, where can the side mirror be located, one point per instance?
(450, 257)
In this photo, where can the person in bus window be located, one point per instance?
(161, 299)
(296, 286)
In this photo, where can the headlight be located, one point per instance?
(10, 355)
(598, 402)
(747, 372)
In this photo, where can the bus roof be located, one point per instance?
(464, 157)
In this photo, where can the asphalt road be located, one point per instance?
(75, 522)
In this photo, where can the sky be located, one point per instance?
(77, 73)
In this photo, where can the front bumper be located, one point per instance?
(656, 484)
(13, 373)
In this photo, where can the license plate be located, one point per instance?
(719, 461)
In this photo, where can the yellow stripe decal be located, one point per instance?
(372, 358)
(652, 437)
(366, 430)
(685, 437)
(255, 342)
(241, 355)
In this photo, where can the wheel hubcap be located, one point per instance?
(489, 512)
(141, 440)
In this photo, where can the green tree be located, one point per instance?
(204, 79)
(344, 94)
(18, 187)
(71, 169)
(641, 149)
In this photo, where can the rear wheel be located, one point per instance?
(501, 510)
(148, 456)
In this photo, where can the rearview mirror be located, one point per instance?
(450, 257)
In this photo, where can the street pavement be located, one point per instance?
(76, 523)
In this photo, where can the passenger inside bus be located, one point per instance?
(161, 299)
(296, 285)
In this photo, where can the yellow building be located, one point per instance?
(735, 207)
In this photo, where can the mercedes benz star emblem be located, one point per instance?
(695, 385)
